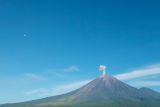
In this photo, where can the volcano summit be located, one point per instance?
(105, 91)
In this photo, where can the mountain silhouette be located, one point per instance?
(104, 91)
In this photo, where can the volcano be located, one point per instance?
(104, 91)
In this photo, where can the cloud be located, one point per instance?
(61, 72)
(147, 71)
(136, 76)
(41, 92)
(140, 83)
(71, 69)
(60, 89)
(146, 77)
(32, 76)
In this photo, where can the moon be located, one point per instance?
(25, 35)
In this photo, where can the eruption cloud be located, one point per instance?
(103, 69)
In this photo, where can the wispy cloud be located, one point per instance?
(55, 72)
(147, 71)
(41, 92)
(32, 76)
(60, 89)
(71, 69)
(61, 72)
(135, 78)
(140, 83)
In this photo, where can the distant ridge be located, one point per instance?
(104, 91)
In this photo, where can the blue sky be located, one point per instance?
(48, 47)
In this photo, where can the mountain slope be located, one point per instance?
(105, 91)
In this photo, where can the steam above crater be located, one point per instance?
(102, 68)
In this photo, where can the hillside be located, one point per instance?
(105, 91)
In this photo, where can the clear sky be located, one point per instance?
(46, 45)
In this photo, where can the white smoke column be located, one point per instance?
(103, 69)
